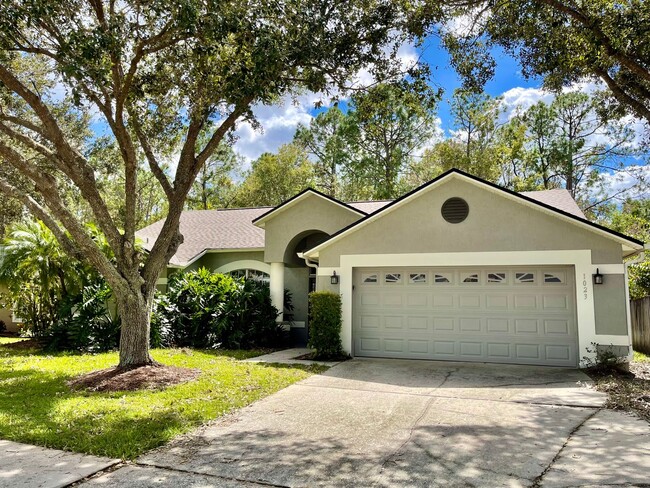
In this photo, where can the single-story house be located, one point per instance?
(458, 269)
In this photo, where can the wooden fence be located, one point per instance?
(640, 310)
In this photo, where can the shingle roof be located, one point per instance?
(369, 207)
(205, 230)
(211, 230)
(559, 198)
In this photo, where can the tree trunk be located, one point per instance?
(135, 310)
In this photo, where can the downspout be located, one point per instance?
(307, 262)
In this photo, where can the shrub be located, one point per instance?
(640, 280)
(605, 360)
(84, 322)
(325, 324)
(203, 309)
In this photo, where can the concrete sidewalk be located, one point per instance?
(288, 356)
(26, 466)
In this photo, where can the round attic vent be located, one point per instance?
(455, 210)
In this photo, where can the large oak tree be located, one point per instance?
(160, 76)
(561, 41)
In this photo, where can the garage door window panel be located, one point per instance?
(499, 278)
(417, 278)
(555, 278)
(525, 277)
(443, 278)
(393, 278)
(472, 277)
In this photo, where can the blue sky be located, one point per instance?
(279, 122)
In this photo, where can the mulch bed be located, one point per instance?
(21, 345)
(154, 377)
(629, 391)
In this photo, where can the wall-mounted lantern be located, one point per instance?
(598, 278)
(334, 279)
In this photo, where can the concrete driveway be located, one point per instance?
(411, 423)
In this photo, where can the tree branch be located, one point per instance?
(621, 95)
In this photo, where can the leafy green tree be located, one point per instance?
(561, 41)
(214, 187)
(633, 219)
(156, 75)
(387, 125)
(570, 145)
(476, 146)
(274, 178)
(327, 141)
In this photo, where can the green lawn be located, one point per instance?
(9, 340)
(639, 357)
(37, 407)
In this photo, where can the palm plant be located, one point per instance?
(37, 273)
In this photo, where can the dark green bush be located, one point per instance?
(84, 322)
(325, 324)
(203, 309)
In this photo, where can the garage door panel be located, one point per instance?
(370, 299)
(555, 302)
(394, 322)
(394, 345)
(525, 302)
(498, 325)
(446, 348)
(526, 326)
(557, 327)
(418, 346)
(518, 317)
(496, 302)
(394, 299)
(471, 349)
(470, 324)
(369, 345)
(558, 352)
(443, 324)
(469, 301)
(370, 321)
(528, 351)
(417, 323)
(443, 301)
(417, 300)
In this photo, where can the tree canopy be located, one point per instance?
(168, 81)
(561, 41)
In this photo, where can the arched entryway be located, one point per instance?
(299, 279)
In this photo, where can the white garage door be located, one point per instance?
(522, 315)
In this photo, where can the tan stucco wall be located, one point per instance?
(311, 214)
(610, 307)
(495, 223)
(215, 260)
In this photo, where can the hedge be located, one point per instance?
(325, 324)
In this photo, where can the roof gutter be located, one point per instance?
(307, 262)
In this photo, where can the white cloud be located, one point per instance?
(278, 122)
(632, 181)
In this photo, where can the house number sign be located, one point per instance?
(584, 286)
